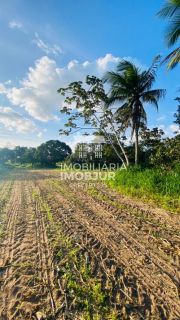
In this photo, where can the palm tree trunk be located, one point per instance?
(136, 145)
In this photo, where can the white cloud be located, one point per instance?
(72, 64)
(14, 24)
(105, 61)
(37, 92)
(109, 61)
(12, 120)
(45, 47)
(7, 144)
(169, 130)
(174, 128)
(2, 88)
(161, 118)
(8, 82)
(11, 143)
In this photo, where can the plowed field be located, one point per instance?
(75, 250)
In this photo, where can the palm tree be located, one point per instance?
(132, 86)
(171, 11)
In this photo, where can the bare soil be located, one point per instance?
(78, 250)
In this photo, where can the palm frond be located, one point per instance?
(173, 59)
(124, 65)
(154, 64)
(129, 70)
(131, 86)
(121, 81)
(157, 94)
(114, 78)
(153, 96)
(148, 77)
(151, 100)
(120, 91)
(116, 98)
(125, 108)
(169, 9)
(173, 31)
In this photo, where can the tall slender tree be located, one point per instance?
(133, 88)
(171, 11)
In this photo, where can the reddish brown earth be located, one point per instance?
(75, 250)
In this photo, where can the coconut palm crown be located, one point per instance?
(132, 86)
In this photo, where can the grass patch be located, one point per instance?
(155, 185)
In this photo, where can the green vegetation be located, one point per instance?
(91, 106)
(157, 177)
(81, 286)
(132, 87)
(46, 155)
(156, 185)
(171, 11)
(87, 105)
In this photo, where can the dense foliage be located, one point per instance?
(88, 102)
(155, 150)
(47, 154)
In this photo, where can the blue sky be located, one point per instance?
(47, 44)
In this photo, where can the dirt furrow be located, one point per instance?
(8, 246)
(134, 259)
(22, 291)
(44, 257)
(72, 251)
(127, 223)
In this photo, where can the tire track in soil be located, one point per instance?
(132, 250)
(105, 268)
(103, 209)
(44, 259)
(162, 237)
(118, 255)
(8, 249)
(139, 227)
(25, 257)
(5, 191)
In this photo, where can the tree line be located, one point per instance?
(155, 150)
(47, 154)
